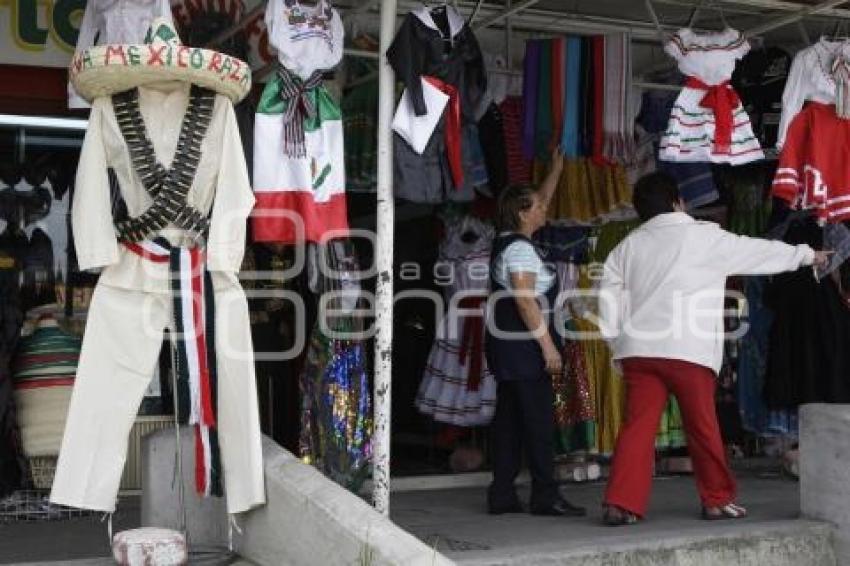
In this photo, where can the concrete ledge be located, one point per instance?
(308, 518)
(825, 470)
(312, 520)
(795, 543)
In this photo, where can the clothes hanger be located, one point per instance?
(839, 31)
(714, 6)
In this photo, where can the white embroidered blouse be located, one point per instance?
(810, 78)
(710, 57)
(220, 186)
(307, 38)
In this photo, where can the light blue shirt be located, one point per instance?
(521, 257)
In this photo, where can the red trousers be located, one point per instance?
(649, 381)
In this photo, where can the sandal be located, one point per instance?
(728, 511)
(617, 517)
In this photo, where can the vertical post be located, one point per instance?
(384, 263)
(509, 32)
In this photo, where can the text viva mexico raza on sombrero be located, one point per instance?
(227, 68)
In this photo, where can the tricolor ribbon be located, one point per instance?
(296, 93)
(195, 362)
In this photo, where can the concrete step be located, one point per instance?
(786, 543)
(454, 521)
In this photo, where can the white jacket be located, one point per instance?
(220, 188)
(663, 287)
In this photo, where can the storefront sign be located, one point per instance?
(43, 33)
(39, 33)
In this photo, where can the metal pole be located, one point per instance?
(792, 18)
(804, 33)
(384, 263)
(506, 14)
(509, 32)
(181, 488)
(474, 11)
(651, 11)
(656, 86)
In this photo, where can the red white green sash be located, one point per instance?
(194, 352)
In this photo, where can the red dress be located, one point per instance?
(814, 166)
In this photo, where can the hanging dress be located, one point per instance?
(708, 121)
(299, 165)
(457, 386)
(812, 171)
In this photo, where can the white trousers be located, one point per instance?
(121, 346)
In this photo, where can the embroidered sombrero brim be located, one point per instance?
(104, 70)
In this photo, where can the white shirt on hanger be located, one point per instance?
(810, 78)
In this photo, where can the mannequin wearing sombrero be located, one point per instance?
(162, 124)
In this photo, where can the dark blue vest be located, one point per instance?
(518, 357)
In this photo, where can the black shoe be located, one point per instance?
(616, 517)
(515, 507)
(560, 508)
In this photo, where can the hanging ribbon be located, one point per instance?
(841, 76)
(451, 131)
(299, 104)
(722, 100)
(472, 341)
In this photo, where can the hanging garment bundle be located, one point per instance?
(336, 405)
(812, 171)
(299, 164)
(436, 48)
(457, 387)
(576, 95)
(708, 122)
(759, 79)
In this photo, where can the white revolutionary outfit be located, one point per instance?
(175, 152)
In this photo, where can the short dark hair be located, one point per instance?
(512, 201)
(654, 194)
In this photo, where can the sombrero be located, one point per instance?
(104, 70)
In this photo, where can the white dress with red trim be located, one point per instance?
(457, 386)
(812, 171)
(708, 121)
(299, 164)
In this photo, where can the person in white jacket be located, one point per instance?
(661, 307)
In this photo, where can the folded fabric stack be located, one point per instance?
(43, 372)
